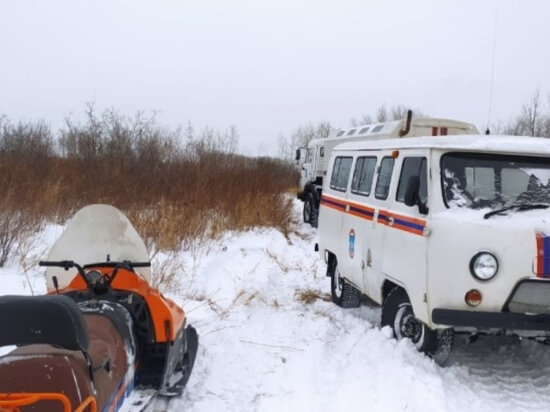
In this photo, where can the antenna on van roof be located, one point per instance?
(407, 128)
(488, 131)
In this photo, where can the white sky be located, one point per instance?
(268, 67)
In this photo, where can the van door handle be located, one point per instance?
(391, 220)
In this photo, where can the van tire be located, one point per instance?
(397, 313)
(310, 210)
(308, 205)
(342, 292)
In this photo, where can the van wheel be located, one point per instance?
(398, 314)
(308, 205)
(310, 211)
(343, 293)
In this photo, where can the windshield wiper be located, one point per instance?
(519, 206)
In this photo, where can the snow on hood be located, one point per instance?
(537, 219)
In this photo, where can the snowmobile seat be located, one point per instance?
(43, 368)
(64, 367)
(54, 320)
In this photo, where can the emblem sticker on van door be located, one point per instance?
(351, 243)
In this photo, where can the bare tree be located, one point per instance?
(301, 137)
(545, 124)
(400, 112)
(363, 119)
(533, 120)
(383, 114)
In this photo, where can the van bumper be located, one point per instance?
(491, 320)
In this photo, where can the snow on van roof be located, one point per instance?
(489, 143)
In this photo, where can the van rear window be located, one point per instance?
(362, 176)
(340, 173)
(384, 178)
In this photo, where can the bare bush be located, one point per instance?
(178, 190)
(309, 296)
(32, 140)
(16, 225)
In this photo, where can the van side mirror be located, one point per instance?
(297, 154)
(412, 196)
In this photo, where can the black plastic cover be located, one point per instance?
(52, 320)
(491, 320)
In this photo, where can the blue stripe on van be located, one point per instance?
(367, 213)
(411, 225)
(546, 243)
(405, 223)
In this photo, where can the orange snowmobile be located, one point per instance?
(100, 331)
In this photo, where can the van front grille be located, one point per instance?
(532, 296)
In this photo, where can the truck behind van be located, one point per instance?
(449, 234)
(314, 159)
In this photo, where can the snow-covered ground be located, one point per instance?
(264, 348)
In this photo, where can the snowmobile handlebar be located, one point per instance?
(93, 285)
(65, 264)
(111, 264)
(125, 264)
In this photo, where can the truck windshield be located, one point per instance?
(494, 181)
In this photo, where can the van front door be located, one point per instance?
(404, 255)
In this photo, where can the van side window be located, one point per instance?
(362, 176)
(340, 173)
(384, 178)
(413, 166)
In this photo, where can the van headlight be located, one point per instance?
(484, 266)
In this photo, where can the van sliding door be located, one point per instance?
(334, 207)
(357, 225)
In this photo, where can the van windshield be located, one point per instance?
(483, 180)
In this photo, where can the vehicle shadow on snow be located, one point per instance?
(501, 371)
(502, 354)
(506, 356)
(486, 354)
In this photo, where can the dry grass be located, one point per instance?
(176, 192)
(309, 296)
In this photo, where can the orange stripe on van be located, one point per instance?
(401, 222)
(333, 203)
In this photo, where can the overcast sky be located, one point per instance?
(268, 67)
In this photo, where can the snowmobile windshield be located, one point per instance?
(499, 182)
(96, 233)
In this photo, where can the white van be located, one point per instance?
(315, 163)
(449, 234)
